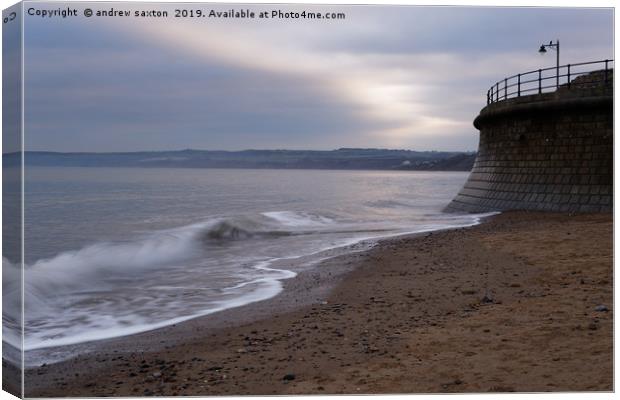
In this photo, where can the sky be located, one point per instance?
(401, 77)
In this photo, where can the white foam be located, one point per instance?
(265, 288)
(11, 303)
(298, 219)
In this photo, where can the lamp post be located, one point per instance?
(556, 46)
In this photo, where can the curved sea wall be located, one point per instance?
(548, 152)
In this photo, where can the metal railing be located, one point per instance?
(537, 81)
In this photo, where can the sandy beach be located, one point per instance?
(522, 302)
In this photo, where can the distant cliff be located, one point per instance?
(345, 158)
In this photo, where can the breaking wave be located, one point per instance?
(163, 247)
(111, 289)
(97, 268)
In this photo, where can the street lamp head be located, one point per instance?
(555, 46)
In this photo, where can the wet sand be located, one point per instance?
(522, 302)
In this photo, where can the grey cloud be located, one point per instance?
(98, 88)
(144, 102)
(470, 30)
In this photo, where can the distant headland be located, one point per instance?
(343, 158)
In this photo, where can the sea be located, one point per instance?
(116, 251)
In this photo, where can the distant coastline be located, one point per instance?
(340, 159)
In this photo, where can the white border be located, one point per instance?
(482, 3)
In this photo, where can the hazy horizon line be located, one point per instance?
(240, 150)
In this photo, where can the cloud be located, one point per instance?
(409, 77)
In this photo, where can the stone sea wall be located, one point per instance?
(550, 152)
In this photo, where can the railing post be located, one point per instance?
(505, 88)
(568, 76)
(488, 100)
(606, 66)
(539, 81)
(519, 85)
